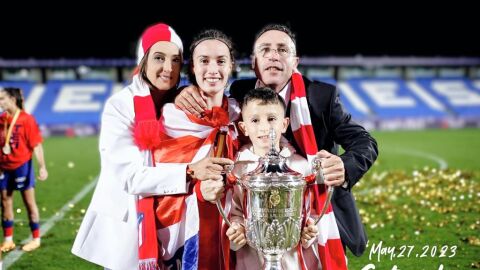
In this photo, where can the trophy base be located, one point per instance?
(272, 262)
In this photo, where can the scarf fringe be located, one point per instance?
(146, 134)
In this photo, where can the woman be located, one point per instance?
(109, 234)
(195, 238)
(20, 138)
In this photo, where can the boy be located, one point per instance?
(263, 109)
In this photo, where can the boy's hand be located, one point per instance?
(309, 232)
(236, 234)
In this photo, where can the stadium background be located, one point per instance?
(415, 89)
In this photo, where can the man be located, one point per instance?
(275, 61)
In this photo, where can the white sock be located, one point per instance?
(8, 238)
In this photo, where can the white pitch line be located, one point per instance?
(14, 255)
(441, 162)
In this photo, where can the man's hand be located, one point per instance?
(191, 101)
(333, 168)
(236, 234)
(309, 232)
(212, 190)
(209, 168)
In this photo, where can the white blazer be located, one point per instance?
(108, 235)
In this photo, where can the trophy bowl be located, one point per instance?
(273, 214)
(274, 205)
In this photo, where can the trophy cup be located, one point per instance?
(274, 204)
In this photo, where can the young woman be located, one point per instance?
(190, 233)
(20, 138)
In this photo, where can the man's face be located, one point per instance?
(274, 59)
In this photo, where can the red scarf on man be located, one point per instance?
(330, 247)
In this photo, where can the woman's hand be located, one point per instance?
(42, 174)
(209, 168)
(212, 190)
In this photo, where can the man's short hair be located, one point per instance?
(266, 95)
(277, 27)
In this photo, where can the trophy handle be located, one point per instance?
(227, 171)
(317, 170)
(325, 206)
(222, 212)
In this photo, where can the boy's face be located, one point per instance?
(258, 119)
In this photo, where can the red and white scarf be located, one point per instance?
(146, 135)
(330, 247)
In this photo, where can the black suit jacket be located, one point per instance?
(333, 125)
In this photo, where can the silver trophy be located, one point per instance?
(274, 194)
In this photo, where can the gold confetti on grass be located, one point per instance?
(427, 198)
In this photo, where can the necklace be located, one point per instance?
(7, 149)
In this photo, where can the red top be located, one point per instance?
(25, 136)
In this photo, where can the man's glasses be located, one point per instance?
(267, 51)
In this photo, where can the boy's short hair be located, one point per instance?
(266, 95)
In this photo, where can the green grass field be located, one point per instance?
(428, 217)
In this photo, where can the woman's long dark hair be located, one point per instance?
(16, 93)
